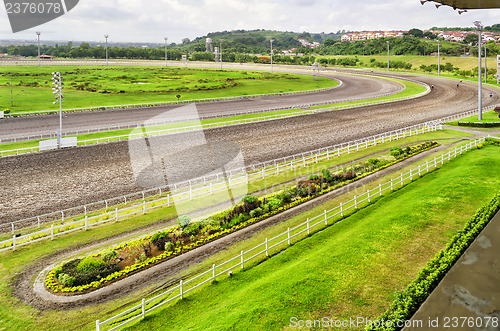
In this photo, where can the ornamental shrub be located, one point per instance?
(396, 151)
(256, 212)
(313, 177)
(109, 256)
(285, 197)
(275, 203)
(183, 221)
(57, 272)
(250, 199)
(169, 246)
(66, 280)
(89, 264)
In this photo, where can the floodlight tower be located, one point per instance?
(439, 60)
(388, 55)
(166, 38)
(220, 52)
(272, 55)
(479, 27)
(38, 38)
(57, 90)
(106, 36)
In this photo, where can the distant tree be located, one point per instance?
(329, 42)
(430, 35)
(471, 39)
(186, 40)
(416, 33)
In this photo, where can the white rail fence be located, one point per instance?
(184, 191)
(283, 240)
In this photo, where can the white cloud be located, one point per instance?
(150, 21)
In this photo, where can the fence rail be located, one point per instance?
(263, 250)
(184, 191)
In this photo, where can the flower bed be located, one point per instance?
(102, 268)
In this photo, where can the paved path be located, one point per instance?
(471, 289)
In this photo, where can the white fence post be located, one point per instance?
(182, 293)
(213, 271)
(38, 219)
(116, 214)
(14, 242)
(326, 218)
(288, 231)
(341, 210)
(308, 232)
(267, 248)
(97, 325)
(143, 307)
(52, 232)
(368, 192)
(242, 260)
(62, 217)
(355, 202)
(106, 201)
(392, 187)
(168, 200)
(13, 231)
(143, 207)
(86, 223)
(380, 188)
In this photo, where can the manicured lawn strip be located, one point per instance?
(141, 84)
(350, 269)
(411, 89)
(488, 117)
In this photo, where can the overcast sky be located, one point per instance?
(151, 20)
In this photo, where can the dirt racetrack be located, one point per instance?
(38, 183)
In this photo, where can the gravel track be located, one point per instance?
(33, 184)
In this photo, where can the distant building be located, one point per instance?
(369, 35)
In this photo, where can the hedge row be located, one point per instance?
(409, 300)
(480, 124)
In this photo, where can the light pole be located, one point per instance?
(485, 66)
(272, 55)
(57, 90)
(106, 36)
(439, 60)
(220, 52)
(388, 55)
(38, 38)
(166, 38)
(479, 28)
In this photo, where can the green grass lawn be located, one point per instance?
(411, 89)
(92, 87)
(351, 269)
(490, 116)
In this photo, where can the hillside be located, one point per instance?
(256, 41)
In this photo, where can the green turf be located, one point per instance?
(92, 87)
(411, 89)
(351, 269)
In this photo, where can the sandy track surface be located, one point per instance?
(39, 183)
